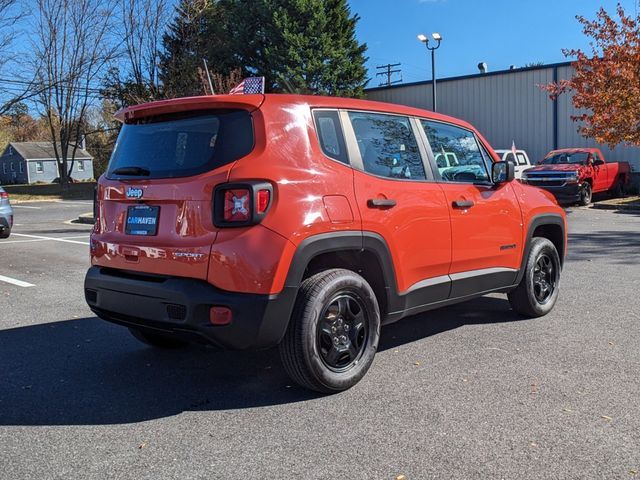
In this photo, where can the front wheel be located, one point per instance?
(537, 292)
(333, 333)
(585, 195)
(4, 233)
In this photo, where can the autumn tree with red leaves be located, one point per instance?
(606, 83)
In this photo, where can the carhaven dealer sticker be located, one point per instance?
(142, 220)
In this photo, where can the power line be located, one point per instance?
(388, 71)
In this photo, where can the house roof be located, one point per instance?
(43, 151)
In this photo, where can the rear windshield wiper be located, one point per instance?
(137, 171)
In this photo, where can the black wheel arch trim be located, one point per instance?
(357, 240)
(553, 219)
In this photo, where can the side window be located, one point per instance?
(510, 158)
(39, 167)
(522, 160)
(81, 165)
(330, 134)
(455, 142)
(387, 146)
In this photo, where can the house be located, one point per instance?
(32, 162)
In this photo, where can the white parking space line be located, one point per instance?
(13, 281)
(2, 242)
(50, 238)
(26, 206)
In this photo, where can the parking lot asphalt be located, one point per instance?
(470, 391)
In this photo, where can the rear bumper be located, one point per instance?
(180, 307)
(6, 218)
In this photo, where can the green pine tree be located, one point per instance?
(311, 47)
(299, 46)
(185, 46)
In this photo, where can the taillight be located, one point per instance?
(241, 204)
(4, 195)
(237, 205)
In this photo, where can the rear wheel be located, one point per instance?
(333, 334)
(157, 340)
(5, 232)
(585, 194)
(537, 292)
(618, 190)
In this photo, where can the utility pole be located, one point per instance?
(388, 71)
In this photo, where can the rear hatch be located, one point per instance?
(154, 213)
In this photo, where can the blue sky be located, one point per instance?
(498, 32)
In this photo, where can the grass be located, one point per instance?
(50, 191)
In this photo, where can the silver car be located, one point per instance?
(6, 214)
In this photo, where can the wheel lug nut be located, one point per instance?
(336, 341)
(346, 327)
(333, 329)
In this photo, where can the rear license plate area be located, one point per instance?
(142, 220)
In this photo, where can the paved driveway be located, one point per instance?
(470, 391)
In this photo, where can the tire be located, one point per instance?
(333, 334)
(585, 195)
(529, 298)
(157, 340)
(5, 233)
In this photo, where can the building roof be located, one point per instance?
(472, 75)
(43, 151)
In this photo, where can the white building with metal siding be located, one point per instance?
(508, 106)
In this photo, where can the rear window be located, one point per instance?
(179, 147)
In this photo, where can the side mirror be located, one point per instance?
(598, 162)
(503, 172)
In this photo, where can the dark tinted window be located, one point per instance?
(186, 146)
(510, 158)
(330, 134)
(387, 145)
(457, 153)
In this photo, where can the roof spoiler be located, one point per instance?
(186, 104)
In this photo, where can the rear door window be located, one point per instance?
(387, 145)
(330, 134)
(179, 147)
(522, 160)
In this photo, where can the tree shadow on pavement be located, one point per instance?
(621, 247)
(87, 371)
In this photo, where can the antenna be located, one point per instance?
(206, 69)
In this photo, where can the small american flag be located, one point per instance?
(248, 86)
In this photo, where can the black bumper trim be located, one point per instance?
(259, 321)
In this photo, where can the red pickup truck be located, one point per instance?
(575, 174)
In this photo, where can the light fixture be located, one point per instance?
(422, 37)
(436, 36)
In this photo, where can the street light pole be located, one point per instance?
(438, 38)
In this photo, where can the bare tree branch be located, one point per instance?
(72, 48)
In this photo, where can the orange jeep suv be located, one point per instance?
(306, 222)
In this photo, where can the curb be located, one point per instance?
(610, 206)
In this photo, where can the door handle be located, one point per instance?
(463, 204)
(381, 203)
